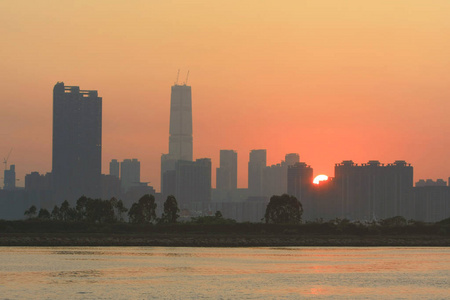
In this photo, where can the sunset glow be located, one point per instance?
(311, 77)
(320, 178)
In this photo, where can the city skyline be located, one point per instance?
(304, 79)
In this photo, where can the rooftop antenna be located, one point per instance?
(5, 160)
(187, 77)
(178, 75)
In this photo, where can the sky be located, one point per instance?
(330, 80)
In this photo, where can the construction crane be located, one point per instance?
(5, 160)
(187, 76)
(178, 75)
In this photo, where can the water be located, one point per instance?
(223, 273)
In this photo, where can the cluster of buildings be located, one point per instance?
(367, 192)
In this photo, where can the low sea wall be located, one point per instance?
(213, 240)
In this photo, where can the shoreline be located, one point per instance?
(218, 240)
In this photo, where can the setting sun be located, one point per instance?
(320, 178)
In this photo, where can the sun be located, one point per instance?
(320, 178)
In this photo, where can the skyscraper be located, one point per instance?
(9, 178)
(275, 176)
(193, 182)
(114, 168)
(130, 173)
(180, 131)
(256, 164)
(77, 142)
(299, 184)
(226, 175)
(374, 190)
(180, 140)
(291, 158)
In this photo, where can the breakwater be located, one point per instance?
(216, 240)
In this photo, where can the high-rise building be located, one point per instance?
(275, 176)
(431, 201)
(130, 173)
(180, 131)
(193, 181)
(167, 165)
(77, 142)
(114, 168)
(275, 179)
(256, 164)
(38, 182)
(180, 140)
(299, 184)
(373, 190)
(292, 158)
(226, 175)
(9, 178)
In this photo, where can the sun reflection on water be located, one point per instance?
(190, 273)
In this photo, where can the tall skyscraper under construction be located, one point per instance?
(180, 140)
(77, 142)
(180, 131)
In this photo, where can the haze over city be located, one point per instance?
(328, 80)
(254, 149)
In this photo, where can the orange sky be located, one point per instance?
(331, 80)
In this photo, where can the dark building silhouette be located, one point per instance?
(9, 178)
(430, 182)
(111, 187)
(373, 190)
(180, 131)
(38, 182)
(130, 173)
(226, 174)
(192, 182)
(274, 179)
(77, 142)
(256, 165)
(431, 200)
(325, 200)
(169, 183)
(135, 192)
(299, 184)
(38, 190)
(167, 165)
(275, 176)
(291, 158)
(114, 168)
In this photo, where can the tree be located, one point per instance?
(213, 220)
(31, 212)
(119, 208)
(99, 211)
(56, 214)
(171, 210)
(81, 208)
(64, 210)
(135, 214)
(397, 221)
(284, 209)
(43, 214)
(144, 211)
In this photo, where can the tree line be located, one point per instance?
(281, 210)
(109, 211)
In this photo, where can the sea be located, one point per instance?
(224, 273)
